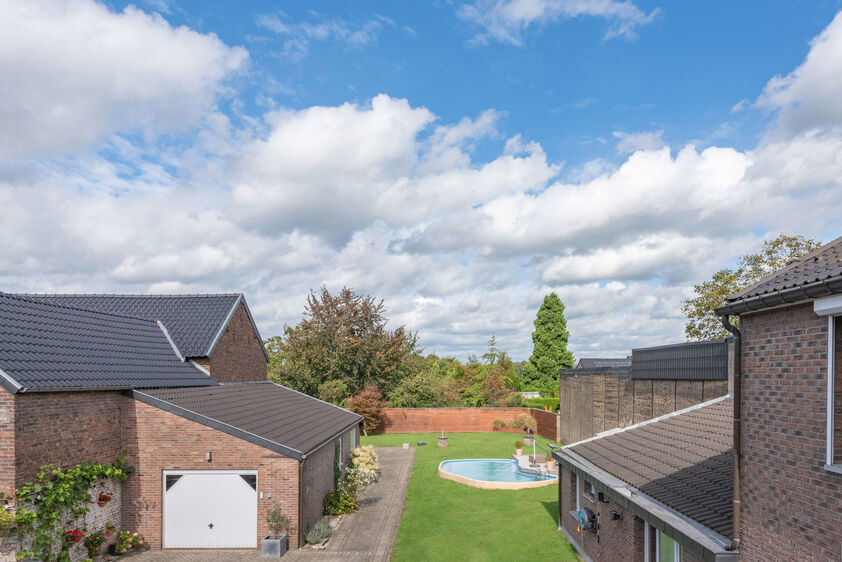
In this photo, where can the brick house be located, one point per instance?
(656, 491)
(790, 410)
(177, 383)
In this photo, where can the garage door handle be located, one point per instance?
(210, 525)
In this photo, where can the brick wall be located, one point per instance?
(462, 420)
(7, 441)
(66, 429)
(238, 356)
(792, 507)
(594, 403)
(184, 448)
(615, 540)
(317, 479)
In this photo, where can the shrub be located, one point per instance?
(333, 391)
(368, 404)
(276, 520)
(499, 424)
(525, 421)
(318, 532)
(341, 501)
(518, 444)
(365, 457)
(126, 540)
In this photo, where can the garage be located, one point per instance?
(210, 509)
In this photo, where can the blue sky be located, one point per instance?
(566, 86)
(458, 159)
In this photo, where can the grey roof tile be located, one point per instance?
(259, 412)
(819, 265)
(685, 461)
(193, 321)
(50, 347)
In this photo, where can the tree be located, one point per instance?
(368, 404)
(549, 352)
(702, 321)
(341, 338)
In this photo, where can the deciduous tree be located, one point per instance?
(702, 321)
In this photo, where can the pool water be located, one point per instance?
(490, 470)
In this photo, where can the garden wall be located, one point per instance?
(466, 420)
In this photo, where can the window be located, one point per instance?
(666, 549)
(831, 307)
(588, 492)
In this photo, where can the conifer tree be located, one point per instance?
(549, 352)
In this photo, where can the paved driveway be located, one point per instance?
(368, 534)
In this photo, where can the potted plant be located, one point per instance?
(103, 498)
(73, 536)
(442, 440)
(274, 545)
(550, 460)
(94, 542)
(124, 541)
(518, 448)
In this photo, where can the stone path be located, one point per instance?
(367, 535)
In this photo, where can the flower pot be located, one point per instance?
(550, 463)
(101, 503)
(518, 452)
(273, 546)
(528, 441)
(113, 551)
(442, 441)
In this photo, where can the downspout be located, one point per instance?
(735, 545)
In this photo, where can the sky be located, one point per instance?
(458, 159)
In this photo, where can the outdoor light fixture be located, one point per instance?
(208, 456)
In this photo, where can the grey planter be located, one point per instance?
(273, 546)
(528, 441)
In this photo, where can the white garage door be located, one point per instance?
(210, 509)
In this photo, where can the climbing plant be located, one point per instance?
(54, 499)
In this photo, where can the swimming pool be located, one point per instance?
(501, 474)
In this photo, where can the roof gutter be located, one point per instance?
(792, 295)
(737, 391)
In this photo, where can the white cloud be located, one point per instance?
(75, 72)
(385, 197)
(808, 97)
(507, 20)
(297, 37)
(642, 140)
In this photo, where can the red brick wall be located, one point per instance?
(66, 429)
(238, 356)
(461, 420)
(317, 479)
(615, 540)
(791, 505)
(7, 441)
(156, 440)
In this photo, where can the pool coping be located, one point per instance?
(488, 484)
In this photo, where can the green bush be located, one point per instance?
(499, 424)
(540, 403)
(318, 532)
(340, 501)
(525, 421)
(276, 520)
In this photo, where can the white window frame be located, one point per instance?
(676, 548)
(832, 308)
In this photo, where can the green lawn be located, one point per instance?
(445, 520)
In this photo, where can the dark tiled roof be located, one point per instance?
(265, 413)
(685, 461)
(193, 321)
(595, 363)
(50, 347)
(819, 265)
